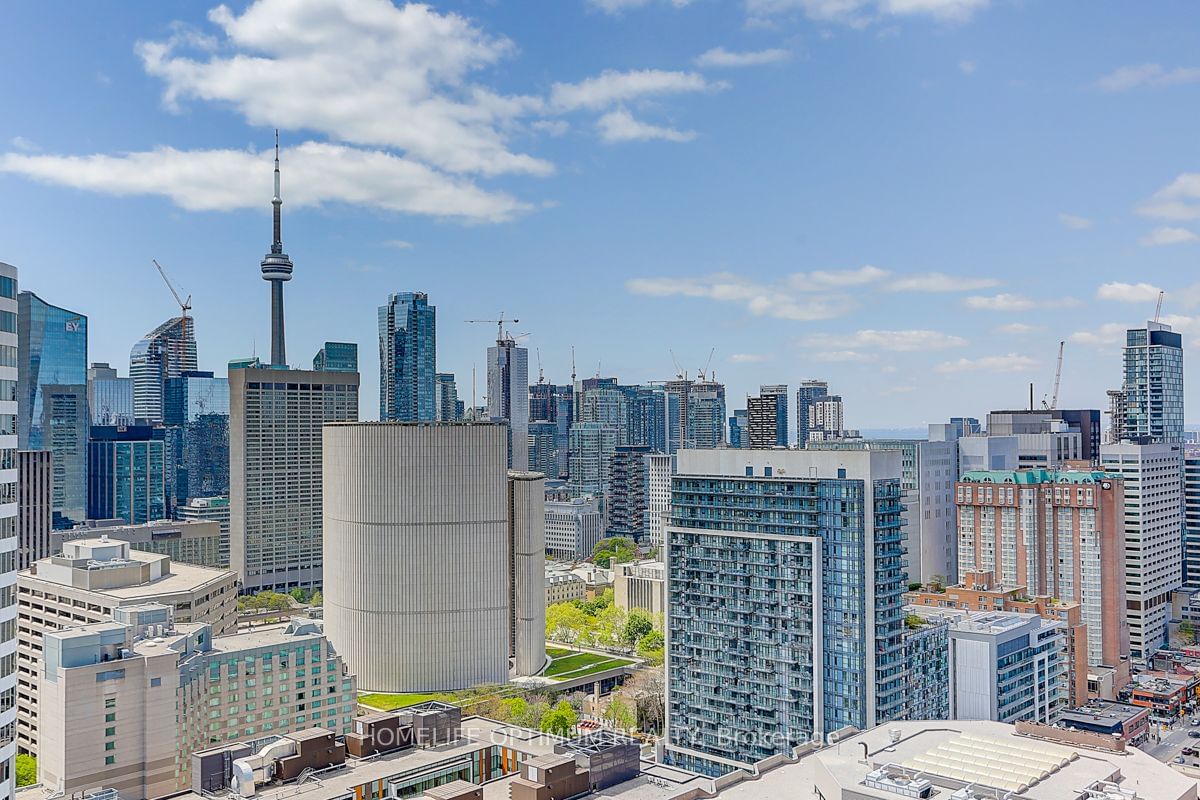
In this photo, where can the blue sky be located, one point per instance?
(913, 199)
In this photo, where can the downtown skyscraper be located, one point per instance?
(768, 417)
(508, 395)
(408, 358)
(166, 352)
(275, 420)
(52, 406)
(1150, 405)
(9, 410)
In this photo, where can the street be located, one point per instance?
(1171, 742)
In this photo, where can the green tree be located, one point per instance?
(560, 720)
(609, 627)
(513, 708)
(26, 770)
(637, 625)
(317, 599)
(620, 715)
(299, 594)
(565, 622)
(650, 647)
(615, 548)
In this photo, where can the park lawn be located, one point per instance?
(559, 652)
(391, 702)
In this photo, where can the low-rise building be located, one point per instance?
(196, 542)
(641, 585)
(563, 587)
(86, 584)
(1129, 722)
(1165, 694)
(125, 703)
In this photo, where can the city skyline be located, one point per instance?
(558, 183)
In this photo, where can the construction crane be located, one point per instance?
(679, 373)
(541, 375)
(184, 305)
(1057, 376)
(499, 323)
(1158, 308)
(704, 369)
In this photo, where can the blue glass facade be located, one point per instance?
(805, 395)
(336, 357)
(407, 358)
(127, 473)
(772, 635)
(1153, 385)
(739, 430)
(197, 416)
(52, 405)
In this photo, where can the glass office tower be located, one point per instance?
(197, 417)
(127, 473)
(52, 406)
(336, 357)
(407, 358)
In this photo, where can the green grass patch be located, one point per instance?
(577, 665)
(559, 652)
(391, 702)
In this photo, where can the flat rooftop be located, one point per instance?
(183, 579)
(1103, 711)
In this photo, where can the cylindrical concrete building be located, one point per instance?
(416, 553)
(527, 571)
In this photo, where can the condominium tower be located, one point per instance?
(166, 352)
(9, 381)
(407, 358)
(508, 395)
(1152, 387)
(768, 417)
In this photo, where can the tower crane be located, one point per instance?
(499, 323)
(541, 375)
(1057, 376)
(704, 369)
(184, 305)
(1158, 308)
(679, 373)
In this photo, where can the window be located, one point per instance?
(111, 702)
(110, 760)
(110, 717)
(110, 731)
(155, 682)
(110, 745)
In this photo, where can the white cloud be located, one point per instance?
(552, 127)
(1167, 235)
(1178, 201)
(939, 282)
(750, 358)
(1018, 329)
(1008, 363)
(825, 279)
(24, 145)
(620, 126)
(841, 356)
(905, 341)
(1014, 302)
(1180, 323)
(1128, 292)
(314, 173)
(720, 57)
(617, 6)
(1107, 335)
(761, 300)
(862, 12)
(1074, 222)
(611, 87)
(1153, 75)
(399, 244)
(966, 67)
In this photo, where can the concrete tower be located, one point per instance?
(277, 268)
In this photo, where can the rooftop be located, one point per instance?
(1102, 711)
(1036, 476)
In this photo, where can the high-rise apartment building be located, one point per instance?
(127, 473)
(1191, 516)
(508, 395)
(564, 418)
(166, 352)
(628, 496)
(542, 407)
(448, 407)
(695, 414)
(196, 412)
(1153, 512)
(10, 476)
(785, 576)
(543, 448)
(336, 357)
(826, 421)
(768, 417)
(407, 358)
(434, 548)
(591, 450)
(110, 398)
(52, 410)
(646, 417)
(658, 496)
(35, 505)
(87, 583)
(1152, 387)
(1060, 534)
(275, 420)
(807, 393)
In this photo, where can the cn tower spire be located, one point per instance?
(277, 268)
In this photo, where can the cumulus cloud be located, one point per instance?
(863, 12)
(1128, 292)
(1007, 363)
(1074, 222)
(760, 299)
(750, 358)
(1167, 235)
(1018, 329)
(939, 282)
(1107, 335)
(612, 87)
(902, 341)
(618, 6)
(720, 57)
(315, 173)
(24, 145)
(1178, 201)
(821, 279)
(1136, 76)
(620, 126)
(1014, 302)
(841, 356)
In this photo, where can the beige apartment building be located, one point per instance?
(86, 584)
(126, 703)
